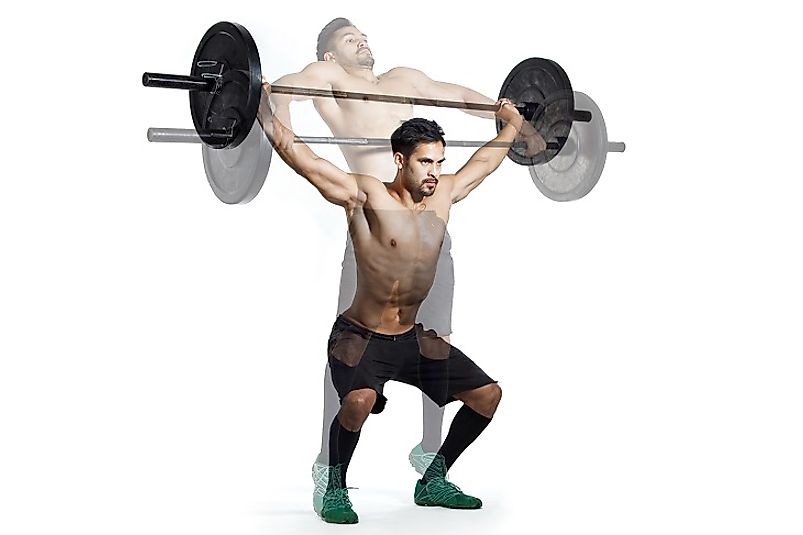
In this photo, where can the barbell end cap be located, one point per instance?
(616, 146)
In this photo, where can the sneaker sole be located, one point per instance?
(464, 507)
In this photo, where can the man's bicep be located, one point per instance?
(318, 75)
(429, 88)
(467, 178)
(447, 90)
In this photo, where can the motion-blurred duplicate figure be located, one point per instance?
(345, 63)
(397, 229)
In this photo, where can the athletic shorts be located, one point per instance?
(360, 358)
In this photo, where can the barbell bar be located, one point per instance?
(188, 135)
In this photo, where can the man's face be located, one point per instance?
(420, 172)
(350, 48)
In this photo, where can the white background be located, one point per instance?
(162, 353)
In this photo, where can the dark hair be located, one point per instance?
(414, 131)
(325, 37)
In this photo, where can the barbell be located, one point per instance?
(225, 86)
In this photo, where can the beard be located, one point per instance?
(365, 60)
(426, 191)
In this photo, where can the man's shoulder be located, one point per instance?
(405, 72)
(324, 66)
(445, 184)
(372, 186)
(369, 182)
(317, 72)
(374, 192)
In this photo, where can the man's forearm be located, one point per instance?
(456, 93)
(281, 102)
(281, 108)
(493, 156)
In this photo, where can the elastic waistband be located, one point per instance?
(345, 322)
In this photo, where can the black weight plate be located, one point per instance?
(544, 82)
(576, 169)
(236, 174)
(228, 54)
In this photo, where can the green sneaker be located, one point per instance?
(320, 477)
(335, 505)
(437, 491)
(420, 459)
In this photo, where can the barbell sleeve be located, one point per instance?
(173, 135)
(178, 81)
(616, 146)
(181, 135)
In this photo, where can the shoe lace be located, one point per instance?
(320, 475)
(441, 489)
(427, 457)
(320, 469)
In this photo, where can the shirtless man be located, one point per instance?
(397, 229)
(345, 62)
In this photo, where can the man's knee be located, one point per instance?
(356, 407)
(492, 396)
(484, 399)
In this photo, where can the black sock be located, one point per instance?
(342, 443)
(466, 427)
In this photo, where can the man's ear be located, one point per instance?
(328, 56)
(398, 159)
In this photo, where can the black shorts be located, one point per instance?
(360, 358)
